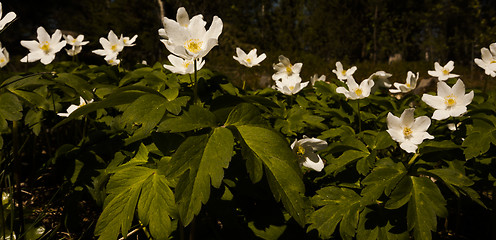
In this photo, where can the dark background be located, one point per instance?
(317, 33)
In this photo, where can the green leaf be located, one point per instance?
(477, 143)
(146, 112)
(348, 157)
(435, 146)
(382, 179)
(425, 204)
(452, 177)
(244, 114)
(124, 188)
(111, 100)
(201, 161)
(175, 105)
(195, 118)
(272, 232)
(338, 205)
(10, 107)
(381, 224)
(156, 206)
(78, 84)
(33, 98)
(281, 167)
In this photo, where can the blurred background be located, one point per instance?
(395, 36)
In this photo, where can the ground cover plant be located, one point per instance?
(176, 151)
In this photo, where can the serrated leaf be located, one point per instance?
(175, 105)
(400, 195)
(338, 205)
(195, 118)
(348, 157)
(380, 224)
(201, 161)
(382, 179)
(124, 188)
(78, 84)
(146, 112)
(425, 204)
(10, 107)
(281, 167)
(452, 177)
(244, 114)
(476, 144)
(156, 206)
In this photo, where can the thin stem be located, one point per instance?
(195, 87)
(359, 118)
(412, 160)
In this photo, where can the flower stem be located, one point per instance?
(359, 118)
(412, 160)
(195, 87)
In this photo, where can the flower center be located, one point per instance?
(289, 69)
(445, 72)
(114, 47)
(407, 132)
(45, 47)
(408, 85)
(186, 64)
(493, 61)
(358, 92)
(291, 88)
(343, 72)
(193, 45)
(248, 60)
(301, 151)
(450, 100)
(2, 60)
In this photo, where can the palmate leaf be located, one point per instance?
(338, 205)
(195, 118)
(10, 107)
(382, 179)
(425, 203)
(281, 168)
(146, 112)
(200, 161)
(131, 187)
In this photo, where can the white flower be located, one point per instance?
(443, 73)
(128, 42)
(112, 46)
(409, 85)
(305, 150)
(285, 69)
(343, 74)
(4, 56)
(316, 78)
(380, 79)
(290, 85)
(188, 38)
(73, 107)
(75, 50)
(78, 41)
(356, 91)
(7, 19)
(45, 48)
(112, 60)
(249, 59)
(488, 61)
(182, 66)
(449, 101)
(407, 131)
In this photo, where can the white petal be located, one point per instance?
(406, 117)
(443, 90)
(408, 147)
(313, 161)
(436, 102)
(440, 114)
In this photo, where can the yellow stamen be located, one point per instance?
(2, 60)
(45, 47)
(358, 92)
(407, 131)
(450, 100)
(493, 61)
(445, 72)
(193, 45)
(408, 85)
(289, 69)
(248, 60)
(343, 72)
(301, 151)
(291, 88)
